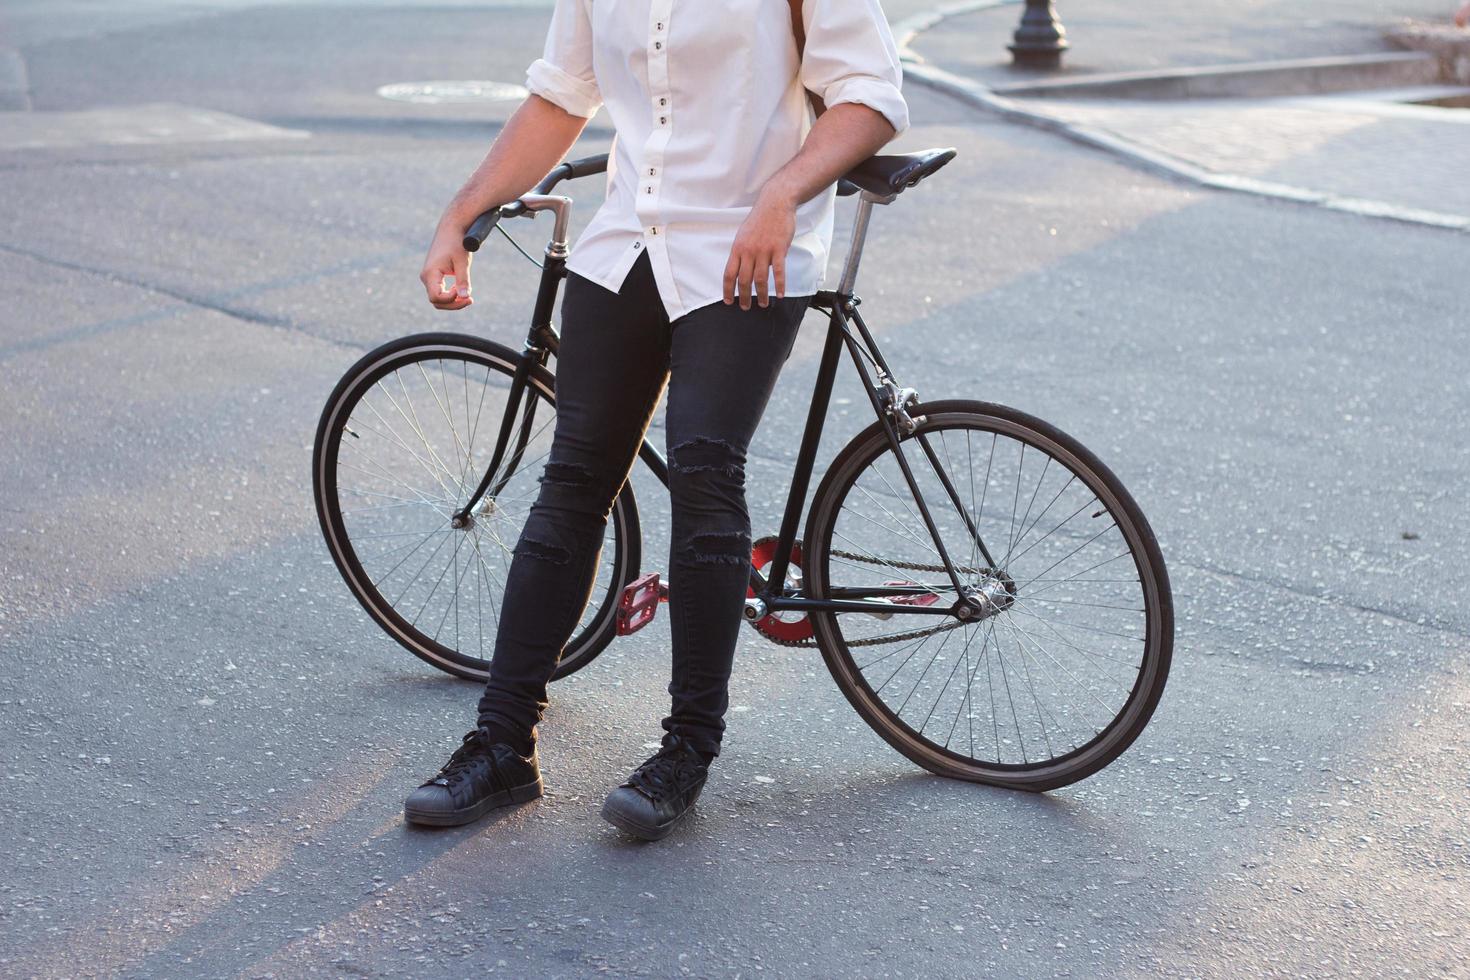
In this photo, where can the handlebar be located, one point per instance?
(481, 227)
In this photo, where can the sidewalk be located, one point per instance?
(1370, 152)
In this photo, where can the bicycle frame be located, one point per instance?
(890, 403)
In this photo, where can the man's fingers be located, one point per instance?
(462, 274)
(743, 281)
(748, 275)
(747, 272)
(433, 280)
(445, 295)
(732, 267)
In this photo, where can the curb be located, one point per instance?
(972, 92)
(1450, 45)
(1256, 79)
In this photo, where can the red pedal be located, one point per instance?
(639, 603)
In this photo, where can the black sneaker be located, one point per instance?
(478, 777)
(659, 792)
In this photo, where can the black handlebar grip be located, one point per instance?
(587, 166)
(556, 176)
(477, 232)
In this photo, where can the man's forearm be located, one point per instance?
(842, 137)
(534, 139)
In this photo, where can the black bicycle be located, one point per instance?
(983, 589)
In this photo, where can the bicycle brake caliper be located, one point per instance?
(896, 402)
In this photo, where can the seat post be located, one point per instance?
(859, 235)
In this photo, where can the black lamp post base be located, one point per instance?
(1038, 58)
(1040, 39)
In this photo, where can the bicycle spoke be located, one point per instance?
(1112, 711)
(1071, 578)
(432, 555)
(458, 577)
(929, 545)
(1063, 640)
(458, 542)
(1020, 468)
(901, 666)
(438, 479)
(894, 652)
(947, 681)
(1044, 511)
(1006, 685)
(425, 498)
(1029, 505)
(925, 673)
(1048, 534)
(418, 426)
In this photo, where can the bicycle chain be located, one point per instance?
(912, 566)
(893, 637)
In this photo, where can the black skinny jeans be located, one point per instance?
(618, 351)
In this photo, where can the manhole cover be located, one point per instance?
(457, 91)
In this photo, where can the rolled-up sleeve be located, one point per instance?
(563, 74)
(850, 56)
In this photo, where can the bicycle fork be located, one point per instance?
(894, 407)
(541, 343)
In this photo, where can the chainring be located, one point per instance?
(795, 632)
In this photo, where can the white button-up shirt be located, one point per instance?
(708, 101)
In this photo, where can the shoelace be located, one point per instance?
(472, 751)
(672, 767)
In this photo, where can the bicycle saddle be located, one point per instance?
(888, 174)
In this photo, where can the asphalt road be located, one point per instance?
(206, 743)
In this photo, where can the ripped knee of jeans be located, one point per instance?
(704, 454)
(719, 548)
(566, 474)
(542, 550)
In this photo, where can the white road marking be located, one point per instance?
(151, 123)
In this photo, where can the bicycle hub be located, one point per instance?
(995, 595)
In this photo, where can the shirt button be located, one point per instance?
(660, 25)
(637, 245)
(662, 100)
(650, 171)
(658, 45)
(662, 120)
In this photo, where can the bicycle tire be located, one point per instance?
(870, 445)
(599, 629)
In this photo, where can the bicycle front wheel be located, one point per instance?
(402, 444)
(1065, 661)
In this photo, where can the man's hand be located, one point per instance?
(760, 247)
(447, 257)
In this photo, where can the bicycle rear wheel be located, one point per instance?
(402, 444)
(1065, 667)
